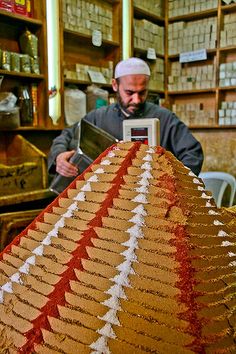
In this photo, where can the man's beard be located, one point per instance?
(125, 107)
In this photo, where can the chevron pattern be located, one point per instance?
(134, 257)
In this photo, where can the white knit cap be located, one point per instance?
(131, 66)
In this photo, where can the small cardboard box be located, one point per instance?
(22, 166)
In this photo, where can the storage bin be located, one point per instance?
(22, 166)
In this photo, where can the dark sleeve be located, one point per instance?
(177, 138)
(66, 141)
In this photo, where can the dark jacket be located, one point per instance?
(174, 134)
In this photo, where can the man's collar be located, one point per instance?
(127, 115)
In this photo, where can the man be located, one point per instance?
(131, 86)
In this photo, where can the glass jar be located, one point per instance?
(26, 106)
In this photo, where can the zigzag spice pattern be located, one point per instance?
(134, 256)
(125, 268)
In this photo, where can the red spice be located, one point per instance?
(160, 150)
(57, 297)
(186, 285)
(186, 274)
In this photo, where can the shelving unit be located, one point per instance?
(148, 33)
(203, 101)
(196, 103)
(23, 203)
(11, 27)
(79, 49)
(206, 107)
(76, 47)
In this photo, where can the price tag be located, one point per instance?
(151, 53)
(97, 38)
(97, 77)
(197, 55)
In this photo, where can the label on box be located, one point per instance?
(151, 53)
(6, 5)
(97, 38)
(197, 55)
(20, 7)
(97, 77)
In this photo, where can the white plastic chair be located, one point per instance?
(216, 182)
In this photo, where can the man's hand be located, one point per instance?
(64, 167)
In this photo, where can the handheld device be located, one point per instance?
(92, 141)
(146, 130)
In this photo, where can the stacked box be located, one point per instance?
(184, 7)
(192, 77)
(228, 74)
(194, 113)
(80, 72)
(227, 35)
(227, 113)
(157, 75)
(85, 16)
(148, 35)
(191, 36)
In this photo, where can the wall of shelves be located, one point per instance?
(200, 91)
(194, 90)
(208, 108)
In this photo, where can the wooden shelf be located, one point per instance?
(85, 83)
(25, 197)
(192, 92)
(227, 49)
(77, 82)
(176, 56)
(86, 39)
(140, 14)
(144, 52)
(6, 16)
(194, 16)
(228, 8)
(22, 75)
(112, 1)
(151, 91)
(208, 127)
(227, 88)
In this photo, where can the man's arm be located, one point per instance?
(65, 142)
(177, 138)
(184, 145)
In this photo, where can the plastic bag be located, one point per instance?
(7, 101)
(75, 105)
(96, 97)
(29, 44)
